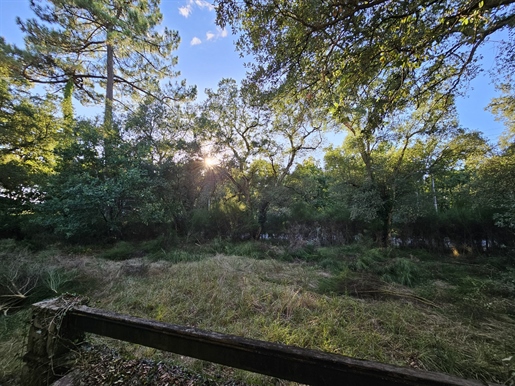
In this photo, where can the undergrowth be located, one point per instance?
(393, 306)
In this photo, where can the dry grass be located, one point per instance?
(281, 302)
(276, 301)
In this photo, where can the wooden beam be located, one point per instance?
(276, 360)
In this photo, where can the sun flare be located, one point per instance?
(211, 162)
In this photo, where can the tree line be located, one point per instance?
(246, 163)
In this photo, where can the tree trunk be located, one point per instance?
(386, 216)
(435, 202)
(263, 210)
(108, 114)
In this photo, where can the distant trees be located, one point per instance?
(406, 173)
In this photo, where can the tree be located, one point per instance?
(311, 209)
(234, 132)
(164, 132)
(114, 43)
(29, 133)
(503, 108)
(497, 188)
(257, 145)
(381, 167)
(496, 174)
(295, 130)
(90, 199)
(412, 47)
(164, 138)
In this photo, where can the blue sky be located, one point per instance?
(207, 54)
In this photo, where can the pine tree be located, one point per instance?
(111, 43)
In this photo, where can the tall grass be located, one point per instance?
(277, 301)
(433, 313)
(27, 277)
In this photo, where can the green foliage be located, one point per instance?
(443, 38)
(406, 173)
(29, 133)
(403, 142)
(503, 108)
(67, 40)
(94, 197)
(496, 183)
(257, 145)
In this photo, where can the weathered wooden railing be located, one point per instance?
(58, 323)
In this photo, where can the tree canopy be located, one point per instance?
(113, 43)
(410, 47)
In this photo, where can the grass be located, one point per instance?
(13, 334)
(428, 312)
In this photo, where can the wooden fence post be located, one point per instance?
(50, 339)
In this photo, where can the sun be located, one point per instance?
(211, 162)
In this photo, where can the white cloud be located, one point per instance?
(220, 33)
(204, 4)
(185, 11)
(195, 41)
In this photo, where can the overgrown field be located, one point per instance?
(409, 308)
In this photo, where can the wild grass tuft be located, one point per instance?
(402, 271)
(59, 281)
(120, 251)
